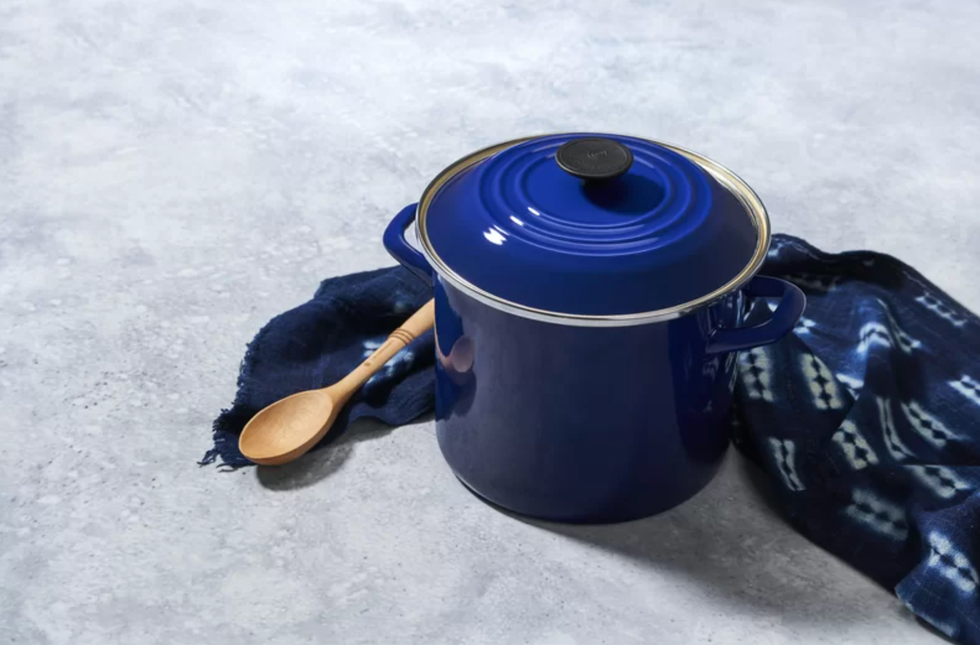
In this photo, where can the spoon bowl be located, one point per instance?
(288, 428)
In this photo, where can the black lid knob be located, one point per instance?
(594, 158)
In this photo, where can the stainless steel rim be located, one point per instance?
(728, 179)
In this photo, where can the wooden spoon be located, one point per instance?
(287, 429)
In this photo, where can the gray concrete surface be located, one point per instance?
(175, 172)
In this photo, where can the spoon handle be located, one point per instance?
(420, 322)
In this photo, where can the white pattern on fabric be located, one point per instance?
(784, 454)
(755, 367)
(859, 454)
(929, 427)
(804, 326)
(951, 563)
(396, 363)
(917, 475)
(892, 442)
(852, 384)
(873, 333)
(905, 342)
(877, 514)
(942, 481)
(937, 306)
(968, 387)
(822, 283)
(821, 382)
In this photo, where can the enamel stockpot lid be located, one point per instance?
(589, 225)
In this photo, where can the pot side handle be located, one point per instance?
(792, 302)
(399, 248)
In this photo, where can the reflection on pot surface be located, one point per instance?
(589, 295)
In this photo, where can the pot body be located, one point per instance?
(569, 420)
(581, 424)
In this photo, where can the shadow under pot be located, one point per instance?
(589, 297)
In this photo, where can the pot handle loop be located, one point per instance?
(401, 250)
(792, 302)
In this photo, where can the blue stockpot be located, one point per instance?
(566, 390)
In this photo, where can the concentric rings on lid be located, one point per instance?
(589, 234)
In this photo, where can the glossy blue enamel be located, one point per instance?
(580, 424)
(587, 424)
(518, 226)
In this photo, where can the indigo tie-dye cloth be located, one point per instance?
(320, 342)
(866, 418)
